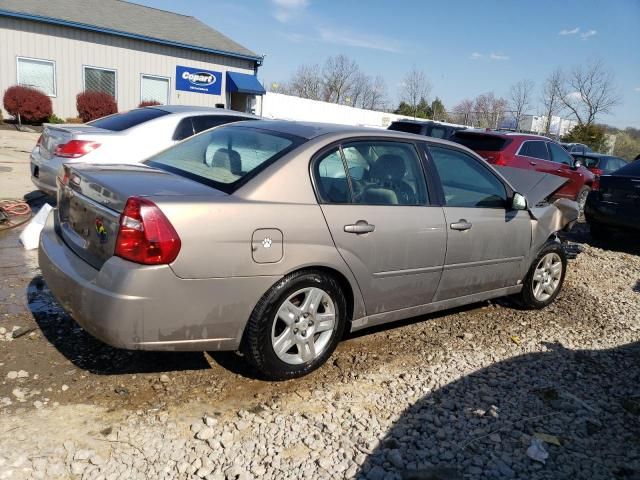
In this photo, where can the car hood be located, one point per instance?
(536, 186)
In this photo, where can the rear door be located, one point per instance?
(487, 241)
(376, 203)
(534, 155)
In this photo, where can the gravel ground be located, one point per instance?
(473, 393)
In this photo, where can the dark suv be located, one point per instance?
(531, 152)
(427, 128)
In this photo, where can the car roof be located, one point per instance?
(505, 135)
(190, 109)
(311, 130)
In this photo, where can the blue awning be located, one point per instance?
(243, 83)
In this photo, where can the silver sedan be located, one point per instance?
(275, 238)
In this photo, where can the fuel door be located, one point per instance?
(266, 245)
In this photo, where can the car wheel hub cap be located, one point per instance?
(547, 276)
(303, 326)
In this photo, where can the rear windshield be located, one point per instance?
(630, 170)
(480, 142)
(225, 156)
(406, 127)
(121, 121)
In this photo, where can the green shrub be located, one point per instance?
(53, 118)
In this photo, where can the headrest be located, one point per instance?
(388, 167)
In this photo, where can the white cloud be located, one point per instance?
(574, 96)
(351, 39)
(286, 9)
(573, 31)
(637, 89)
(498, 56)
(476, 56)
(588, 34)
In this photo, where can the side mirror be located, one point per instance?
(577, 164)
(519, 202)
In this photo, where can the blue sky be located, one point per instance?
(465, 47)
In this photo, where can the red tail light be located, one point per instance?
(146, 236)
(75, 148)
(596, 179)
(499, 159)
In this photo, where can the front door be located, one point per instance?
(381, 222)
(562, 165)
(487, 242)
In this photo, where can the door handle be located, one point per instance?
(461, 225)
(360, 227)
(533, 163)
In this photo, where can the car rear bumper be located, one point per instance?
(132, 306)
(611, 214)
(44, 172)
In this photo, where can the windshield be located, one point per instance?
(123, 121)
(225, 155)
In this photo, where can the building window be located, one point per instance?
(35, 73)
(100, 80)
(154, 89)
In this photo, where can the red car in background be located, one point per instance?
(531, 152)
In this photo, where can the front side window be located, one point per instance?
(38, 74)
(535, 149)
(223, 156)
(465, 182)
(154, 89)
(559, 154)
(100, 80)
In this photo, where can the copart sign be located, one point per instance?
(198, 80)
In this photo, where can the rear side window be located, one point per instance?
(535, 149)
(559, 154)
(465, 182)
(438, 132)
(479, 142)
(406, 127)
(377, 173)
(123, 121)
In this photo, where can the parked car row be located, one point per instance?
(274, 238)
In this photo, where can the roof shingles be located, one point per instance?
(118, 16)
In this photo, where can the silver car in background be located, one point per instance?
(126, 137)
(274, 238)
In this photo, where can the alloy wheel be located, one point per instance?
(303, 326)
(547, 276)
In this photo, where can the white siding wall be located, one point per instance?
(72, 48)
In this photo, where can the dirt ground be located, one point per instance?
(58, 383)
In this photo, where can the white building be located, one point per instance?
(537, 124)
(132, 52)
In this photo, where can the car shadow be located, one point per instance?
(88, 353)
(624, 242)
(481, 425)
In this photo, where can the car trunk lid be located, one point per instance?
(92, 197)
(621, 190)
(52, 137)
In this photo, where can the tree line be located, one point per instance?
(582, 93)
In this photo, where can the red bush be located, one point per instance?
(148, 103)
(32, 105)
(92, 105)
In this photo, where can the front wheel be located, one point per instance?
(545, 277)
(296, 325)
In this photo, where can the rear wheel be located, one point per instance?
(545, 277)
(296, 325)
(599, 232)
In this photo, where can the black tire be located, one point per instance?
(257, 342)
(527, 297)
(599, 232)
(581, 198)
